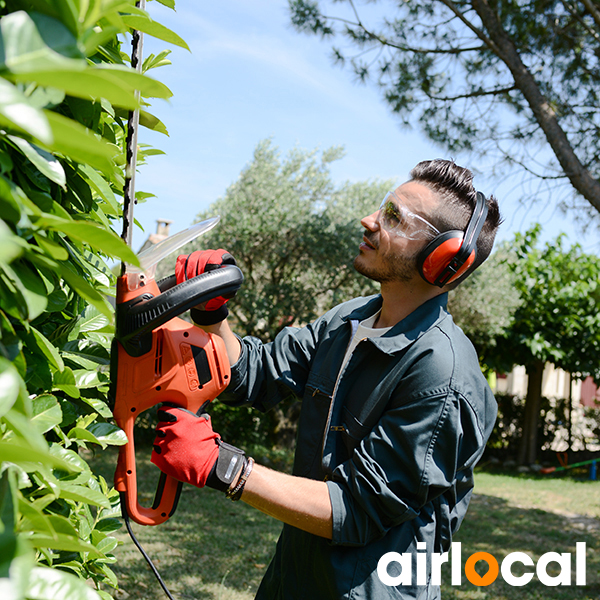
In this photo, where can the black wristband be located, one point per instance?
(209, 317)
(230, 462)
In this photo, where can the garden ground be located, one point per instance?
(215, 550)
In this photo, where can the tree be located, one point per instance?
(484, 305)
(485, 76)
(295, 236)
(557, 321)
(66, 88)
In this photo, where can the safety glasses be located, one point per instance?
(397, 219)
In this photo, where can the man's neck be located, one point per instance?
(400, 299)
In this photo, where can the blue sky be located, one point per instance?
(250, 76)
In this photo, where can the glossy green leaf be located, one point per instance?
(108, 434)
(38, 520)
(79, 143)
(108, 544)
(59, 541)
(47, 164)
(52, 584)
(20, 426)
(86, 354)
(46, 412)
(94, 235)
(10, 386)
(109, 525)
(9, 201)
(45, 97)
(17, 555)
(151, 122)
(147, 86)
(84, 83)
(30, 287)
(65, 381)
(80, 433)
(155, 61)
(92, 320)
(30, 43)
(101, 186)
(99, 406)
(63, 526)
(49, 350)
(50, 247)
(86, 379)
(110, 575)
(16, 112)
(8, 502)
(21, 453)
(75, 462)
(16, 558)
(80, 493)
(11, 247)
(155, 29)
(86, 291)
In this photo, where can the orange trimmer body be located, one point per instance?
(175, 362)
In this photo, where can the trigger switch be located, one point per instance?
(202, 366)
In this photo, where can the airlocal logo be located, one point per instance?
(505, 568)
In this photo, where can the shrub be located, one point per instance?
(66, 87)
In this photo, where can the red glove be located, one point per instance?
(187, 448)
(204, 261)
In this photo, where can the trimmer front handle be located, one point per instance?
(139, 316)
(158, 357)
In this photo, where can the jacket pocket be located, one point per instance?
(353, 431)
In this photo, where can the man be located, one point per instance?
(395, 410)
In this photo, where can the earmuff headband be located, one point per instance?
(450, 254)
(469, 244)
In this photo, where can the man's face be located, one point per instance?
(386, 254)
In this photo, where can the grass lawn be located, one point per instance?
(215, 550)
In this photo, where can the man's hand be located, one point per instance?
(204, 261)
(187, 448)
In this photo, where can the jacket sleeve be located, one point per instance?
(265, 374)
(412, 455)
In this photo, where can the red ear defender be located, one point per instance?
(438, 254)
(450, 254)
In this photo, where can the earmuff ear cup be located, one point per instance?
(434, 259)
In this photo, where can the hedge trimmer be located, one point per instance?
(156, 356)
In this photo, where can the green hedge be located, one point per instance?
(65, 89)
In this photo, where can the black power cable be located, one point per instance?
(125, 516)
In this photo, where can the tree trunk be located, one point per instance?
(580, 177)
(528, 446)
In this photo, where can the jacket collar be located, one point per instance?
(421, 320)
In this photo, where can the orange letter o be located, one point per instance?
(473, 576)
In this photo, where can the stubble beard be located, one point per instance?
(394, 268)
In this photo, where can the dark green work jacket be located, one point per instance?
(396, 442)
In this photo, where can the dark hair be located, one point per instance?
(454, 187)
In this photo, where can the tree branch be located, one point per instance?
(385, 42)
(592, 10)
(578, 18)
(475, 94)
(580, 177)
(478, 32)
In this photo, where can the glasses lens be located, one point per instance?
(392, 216)
(398, 220)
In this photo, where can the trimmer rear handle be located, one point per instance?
(138, 317)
